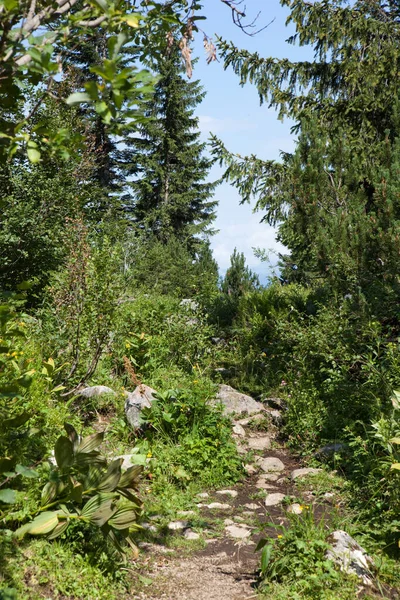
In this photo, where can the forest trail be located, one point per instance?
(234, 520)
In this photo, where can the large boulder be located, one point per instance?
(140, 398)
(350, 556)
(95, 390)
(235, 402)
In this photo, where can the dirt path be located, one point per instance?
(233, 522)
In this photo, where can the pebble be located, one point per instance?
(238, 532)
(177, 525)
(186, 513)
(229, 522)
(215, 505)
(259, 443)
(297, 473)
(238, 430)
(203, 495)
(273, 499)
(270, 464)
(252, 506)
(238, 519)
(262, 485)
(295, 509)
(231, 493)
(269, 476)
(191, 535)
(250, 469)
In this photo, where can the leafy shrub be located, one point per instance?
(84, 488)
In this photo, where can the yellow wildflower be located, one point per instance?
(196, 381)
(280, 537)
(149, 455)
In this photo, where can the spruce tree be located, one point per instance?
(239, 278)
(168, 193)
(332, 198)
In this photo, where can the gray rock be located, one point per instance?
(219, 506)
(274, 499)
(253, 419)
(95, 390)
(238, 532)
(235, 402)
(140, 398)
(191, 535)
(276, 417)
(228, 522)
(295, 509)
(263, 485)
(203, 495)
(350, 556)
(270, 464)
(259, 443)
(298, 473)
(250, 469)
(238, 430)
(231, 493)
(177, 525)
(269, 476)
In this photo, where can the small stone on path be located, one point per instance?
(177, 525)
(250, 469)
(231, 493)
(269, 476)
(218, 505)
(263, 485)
(270, 464)
(259, 443)
(203, 495)
(186, 513)
(252, 506)
(238, 519)
(191, 535)
(238, 532)
(295, 509)
(297, 473)
(274, 499)
(229, 522)
(238, 430)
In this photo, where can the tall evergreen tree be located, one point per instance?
(333, 198)
(168, 194)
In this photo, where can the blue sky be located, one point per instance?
(234, 114)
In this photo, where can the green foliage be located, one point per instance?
(169, 194)
(85, 488)
(83, 303)
(296, 561)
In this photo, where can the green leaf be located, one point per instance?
(266, 557)
(72, 435)
(42, 524)
(76, 493)
(133, 19)
(90, 443)
(131, 476)
(96, 503)
(17, 421)
(78, 98)
(49, 492)
(104, 513)
(112, 477)
(59, 529)
(33, 154)
(64, 452)
(8, 496)
(123, 518)
(5, 464)
(26, 472)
